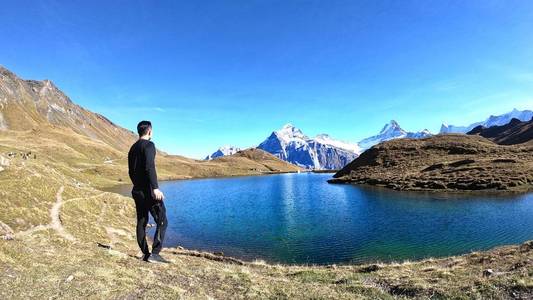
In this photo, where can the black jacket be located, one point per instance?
(141, 164)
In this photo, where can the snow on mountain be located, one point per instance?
(390, 131)
(522, 115)
(223, 151)
(322, 152)
(328, 140)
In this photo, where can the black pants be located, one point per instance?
(144, 203)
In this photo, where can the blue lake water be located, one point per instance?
(300, 218)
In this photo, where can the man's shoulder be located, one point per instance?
(134, 145)
(146, 144)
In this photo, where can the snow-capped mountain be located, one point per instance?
(223, 151)
(390, 131)
(522, 115)
(322, 152)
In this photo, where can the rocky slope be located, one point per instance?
(29, 104)
(445, 163)
(515, 132)
(322, 152)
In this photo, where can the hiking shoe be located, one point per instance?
(145, 257)
(156, 258)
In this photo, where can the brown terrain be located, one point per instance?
(452, 162)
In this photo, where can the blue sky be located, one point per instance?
(209, 73)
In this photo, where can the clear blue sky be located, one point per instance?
(209, 73)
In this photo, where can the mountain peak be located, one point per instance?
(223, 151)
(392, 126)
(289, 132)
(288, 126)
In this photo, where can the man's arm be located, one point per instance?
(131, 166)
(151, 173)
(149, 152)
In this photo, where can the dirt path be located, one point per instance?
(55, 217)
(5, 231)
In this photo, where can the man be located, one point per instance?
(146, 193)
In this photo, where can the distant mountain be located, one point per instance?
(322, 152)
(522, 115)
(223, 151)
(514, 132)
(391, 131)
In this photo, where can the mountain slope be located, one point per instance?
(522, 115)
(514, 132)
(29, 104)
(322, 152)
(391, 131)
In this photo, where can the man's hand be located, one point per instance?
(158, 195)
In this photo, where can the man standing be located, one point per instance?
(146, 193)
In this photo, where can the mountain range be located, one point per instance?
(499, 120)
(323, 152)
(223, 151)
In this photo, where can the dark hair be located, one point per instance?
(142, 127)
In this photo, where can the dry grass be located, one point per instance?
(444, 163)
(38, 262)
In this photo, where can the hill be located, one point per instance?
(444, 162)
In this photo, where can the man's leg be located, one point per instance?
(142, 220)
(159, 213)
